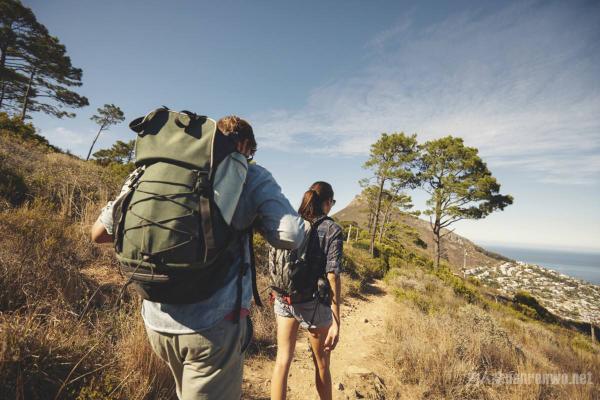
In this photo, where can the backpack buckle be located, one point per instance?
(201, 183)
(132, 180)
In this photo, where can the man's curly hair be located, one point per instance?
(233, 123)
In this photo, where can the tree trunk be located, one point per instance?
(2, 91)
(349, 233)
(386, 217)
(437, 241)
(26, 97)
(437, 233)
(376, 220)
(387, 213)
(2, 64)
(2, 82)
(93, 143)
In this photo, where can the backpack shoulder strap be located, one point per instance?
(255, 293)
(314, 226)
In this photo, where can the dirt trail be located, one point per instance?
(357, 369)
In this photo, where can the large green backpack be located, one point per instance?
(170, 237)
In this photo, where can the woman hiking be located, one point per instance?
(321, 314)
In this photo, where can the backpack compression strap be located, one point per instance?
(204, 189)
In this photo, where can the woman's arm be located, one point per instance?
(333, 335)
(333, 269)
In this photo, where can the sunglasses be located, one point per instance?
(332, 202)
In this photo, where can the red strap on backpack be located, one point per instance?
(286, 299)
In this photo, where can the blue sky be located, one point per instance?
(320, 80)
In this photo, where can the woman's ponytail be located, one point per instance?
(311, 207)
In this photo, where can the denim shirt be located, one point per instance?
(330, 246)
(262, 205)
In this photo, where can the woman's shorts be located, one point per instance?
(311, 314)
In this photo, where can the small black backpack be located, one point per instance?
(295, 273)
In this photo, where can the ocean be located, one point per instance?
(581, 265)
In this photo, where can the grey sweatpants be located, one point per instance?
(206, 365)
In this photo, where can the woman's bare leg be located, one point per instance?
(321, 360)
(287, 331)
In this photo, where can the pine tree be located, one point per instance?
(107, 116)
(17, 27)
(393, 200)
(392, 160)
(459, 183)
(120, 153)
(35, 71)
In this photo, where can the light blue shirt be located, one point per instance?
(262, 205)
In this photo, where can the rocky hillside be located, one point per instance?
(458, 250)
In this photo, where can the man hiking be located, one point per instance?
(203, 342)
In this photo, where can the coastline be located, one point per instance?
(570, 298)
(582, 265)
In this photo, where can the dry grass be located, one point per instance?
(40, 257)
(156, 381)
(42, 350)
(63, 334)
(443, 349)
(263, 319)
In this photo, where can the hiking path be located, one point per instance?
(357, 367)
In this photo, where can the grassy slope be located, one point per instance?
(65, 328)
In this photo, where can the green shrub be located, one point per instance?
(528, 305)
(119, 172)
(396, 262)
(352, 287)
(12, 185)
(15, 127)
(362, 266)
(422, 302)
(527, 311)
(362, 244)
(459, 285)
(474, 281)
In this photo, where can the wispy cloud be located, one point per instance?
(521, 84)
(77, 142)
(64, 137)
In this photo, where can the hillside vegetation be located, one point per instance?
(68, 330)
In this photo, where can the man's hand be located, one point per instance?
(333, 336)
